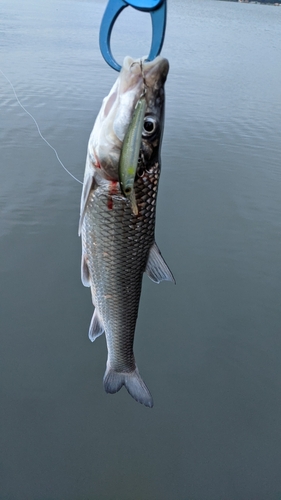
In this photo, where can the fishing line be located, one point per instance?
(39, 131)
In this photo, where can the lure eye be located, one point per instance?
(149, 126)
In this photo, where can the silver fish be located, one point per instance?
(118, 246)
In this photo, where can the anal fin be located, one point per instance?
(96, 326)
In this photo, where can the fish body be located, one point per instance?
(118, 245)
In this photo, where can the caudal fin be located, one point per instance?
(113, 381)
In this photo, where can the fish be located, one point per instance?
(118, 245)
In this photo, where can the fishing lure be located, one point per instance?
(130, 153)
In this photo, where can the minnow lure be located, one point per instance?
(130, 153)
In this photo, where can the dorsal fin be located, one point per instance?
(156, 267)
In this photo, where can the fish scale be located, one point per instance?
(117, 244)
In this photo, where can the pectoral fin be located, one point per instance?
(87, 186)
(156, 267)
(96, 326)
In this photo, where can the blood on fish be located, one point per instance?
(112, 192)
(97, 163)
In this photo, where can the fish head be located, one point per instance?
(117, 109)
(155, 74)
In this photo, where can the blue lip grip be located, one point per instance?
(157, 10)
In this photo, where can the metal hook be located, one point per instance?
(144, 90)
(157, 10)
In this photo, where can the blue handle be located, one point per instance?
(146, 5)
(158, 12)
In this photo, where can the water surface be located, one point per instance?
(209, 348)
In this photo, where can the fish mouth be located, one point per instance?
(135, 71)
(134, 76)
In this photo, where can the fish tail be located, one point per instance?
(113, 381)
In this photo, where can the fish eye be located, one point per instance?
(149, 126)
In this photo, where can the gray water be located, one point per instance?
(209, 348)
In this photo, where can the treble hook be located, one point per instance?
(158, 12)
